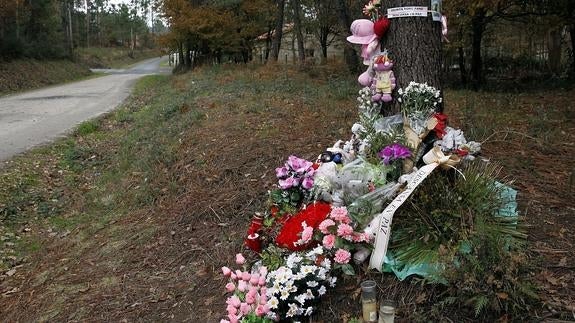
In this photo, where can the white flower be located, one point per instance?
(284, 294)
(309, 269)
(308, 311)
(293, 310)
(273, 289)
(332, 281)
(322, 290)
(273, 303)
(312, 283)
(301, 298)
(326, 263)
(293, 259)
(309, 294)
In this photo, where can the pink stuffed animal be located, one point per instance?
(383, 82)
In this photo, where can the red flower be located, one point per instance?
(441, 124)
(313, 215)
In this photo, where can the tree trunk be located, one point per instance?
(478, 27)
(277, 35)
(298, 31)
(349, 53)
(87, 23)
(323, 38)
(554, 50)
(572, 34)
(462, 69)
(414, 44)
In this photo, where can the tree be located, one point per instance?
(278, 31)
(350, 56)
(415, 47)
(298, 30)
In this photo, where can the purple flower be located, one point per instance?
(386, 154)
(393, 152)
(281, 172)
(307, 183)
(299, 165)
(287, 183)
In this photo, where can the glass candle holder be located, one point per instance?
(369, 301)
(387, 311)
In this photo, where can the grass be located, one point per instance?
(112, 57)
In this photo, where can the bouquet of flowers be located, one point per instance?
(294, 289)
(248, 303)
(418, 105)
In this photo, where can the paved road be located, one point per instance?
(37, 117)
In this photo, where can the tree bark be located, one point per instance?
(277, 35)
(478, 23)
(572, 34)
(554, 50)
(298, 31)
(349, 53)
(414, 44)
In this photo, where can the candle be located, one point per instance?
(369, 301)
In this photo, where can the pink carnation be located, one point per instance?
(344, 230)
(255, 279)
(224, 321)
(245, 308)
(262, 310)
(246, 276)
(242, 285)
(233, 318)
(328, 241)
(340, 214)
(234, 301)
(232, 310)
(250, 298)
(262, 281)
(240, 260)
(306, 234)
(325, 225)
(230, 287)
(342, 256)
(227, 271)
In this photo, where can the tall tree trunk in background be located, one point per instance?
(478, 23)
(277, 38)
(572, 34)
(87, 23)
(554, 50)
(415, 46)
(298, 31)
(349, 53)
(323, 38)
(461, 58)
(70, 30)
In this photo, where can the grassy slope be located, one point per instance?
(133, 215)
(19, 75)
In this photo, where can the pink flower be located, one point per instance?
(226, 271)
(242, 286)
(344, 230)
(288, 183)
(255, 279)
(325, 225)
(246, 276)
(262, 310)
(233, 276)
(240, 260)
(306, 234)
(224, 321)
(263, 271)
(232, 310)
(263, 299)
(281, 172)
(263, 291)
(299, 165)
(250, 298)
(230, 287)
(339, 214)
(307, 183)
(328, 241)
(233, 318)
(262, 281)
(234, 301)
(342, 256)
(239, 274)
(245, 308)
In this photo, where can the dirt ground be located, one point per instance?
(162, 263)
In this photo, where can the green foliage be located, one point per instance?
(87, 127)
(253, 318)
(286, 200)
(273, 257)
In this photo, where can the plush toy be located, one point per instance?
(383, 82)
